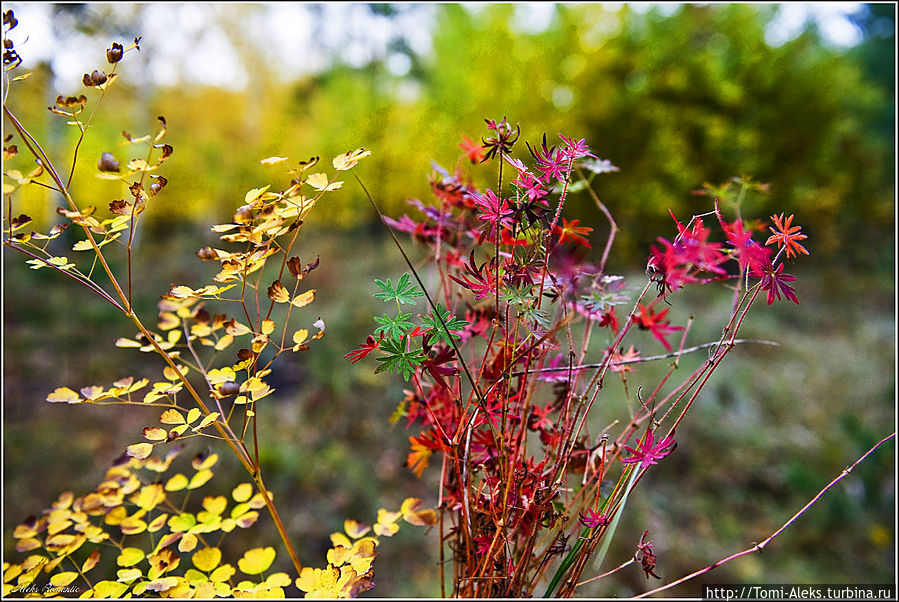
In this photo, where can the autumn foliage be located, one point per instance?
(506, 342)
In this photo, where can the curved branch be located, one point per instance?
(759, 546)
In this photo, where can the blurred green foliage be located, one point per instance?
(673, 100)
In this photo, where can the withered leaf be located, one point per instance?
(167, 151)
(207, 254)
(71, 101)
(278, 293)
(120, 207)
(136, 189)
(157, 185)
(293, 264)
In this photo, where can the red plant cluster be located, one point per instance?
(501, 396)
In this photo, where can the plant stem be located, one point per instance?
(760, 546)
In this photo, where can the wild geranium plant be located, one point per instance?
(218, 343)
(508, 361)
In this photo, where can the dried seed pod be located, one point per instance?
(114, 54)
(96, 78)
(107, 163)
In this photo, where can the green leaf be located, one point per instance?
(453, 324)
(398, 360)
(405, 291)
(395, 327)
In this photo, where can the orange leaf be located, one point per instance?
(417, 460)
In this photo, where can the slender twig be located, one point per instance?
(650, 358)
(760, 546)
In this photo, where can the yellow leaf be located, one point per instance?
(247, 519)
(221, 375)
(157, 523)
(109, 589)
(128, 575)
(386, 517)
(278, 580)
(149, 497)
(387, 530)
(307, 580)
(215, 504)
(349, 160)
(173, 374)
(176, 483)
(139, 451)
(318, 180)
(82, 245)
(154, 433)
(192, 415)
(181, 292)
(256, 560)
(27, 544)
(207, 559)
(199, 479)
(304, 299)
(130, 557)
(222, 573)
(63, 395)
(132, 526)
(224, 342)
(268, 327)
(171, 416)
(300, 337)
(254, 194)
(182, 522)
(413, 516)
(202, 462)
(337, 555)
(137, 165)
(206, 421)
(355, 529)
(242, 492)
(162, 584)
(417, 460)
(188, 542)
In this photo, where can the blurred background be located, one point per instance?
(801, 96)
